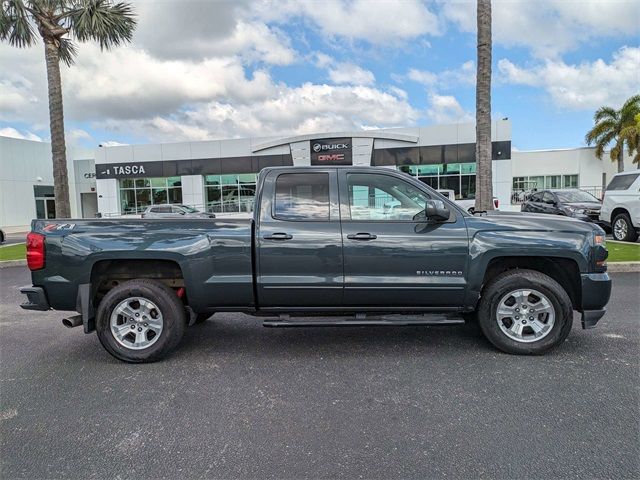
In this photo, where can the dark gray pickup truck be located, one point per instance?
(338, 246)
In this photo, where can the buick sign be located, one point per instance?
(331, 151)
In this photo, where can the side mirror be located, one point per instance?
(436, 210)
(182, 212)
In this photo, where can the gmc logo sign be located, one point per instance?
(333, 157)
(332, 151)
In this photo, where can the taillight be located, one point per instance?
(35, 251)
(496, 203)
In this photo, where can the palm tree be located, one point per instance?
(484, 183)
(59, 23)
(612, 126)
(631, 134)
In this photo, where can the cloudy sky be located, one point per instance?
(201, 69)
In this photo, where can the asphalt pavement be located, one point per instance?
(241, 401)
(13, 238)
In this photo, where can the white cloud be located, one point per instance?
(129, 83)
(583, 86)
(465, 74)
(377, 22)
(304, 109)
(13, 133)
(422, 76)
(549, 27)
(350, 73)
(446, 109)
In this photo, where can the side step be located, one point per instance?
(360, 320)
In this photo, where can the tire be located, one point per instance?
(552, 320)
(622, 228)
(169, 319)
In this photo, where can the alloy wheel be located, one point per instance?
(620, 229)
(136, 323)
(525, 315)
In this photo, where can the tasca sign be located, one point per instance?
(129, 170)
(331, 151)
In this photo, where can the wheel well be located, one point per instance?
(563, 270)
(107, 274)
(618, 211)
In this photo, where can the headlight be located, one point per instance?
(574, 209)
(599, 240)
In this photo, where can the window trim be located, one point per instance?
(275, 198)
(453, 208)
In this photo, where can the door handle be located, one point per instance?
(362, 236)
(278, 236)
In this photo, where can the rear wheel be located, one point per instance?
(623, 229)
(140, 321)
(525, 312)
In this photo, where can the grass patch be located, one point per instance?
(623, 252)
(13, 252)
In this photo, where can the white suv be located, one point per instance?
(621, 206)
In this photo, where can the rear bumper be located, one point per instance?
(36, 299)
(596, 291)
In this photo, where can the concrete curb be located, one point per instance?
(13, 263)
(616, 267)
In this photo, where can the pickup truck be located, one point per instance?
(323, 249)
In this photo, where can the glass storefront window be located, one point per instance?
(552, 181)
(429, 170)
(230, 193)
(468, 186)
(137, 194)
(570, 181)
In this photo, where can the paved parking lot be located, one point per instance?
(241, 401)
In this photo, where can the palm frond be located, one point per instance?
(629, 110)
(605, 113)
(107, 23)
(615, 151)
(602, 129)
(16, 24)
(67, 51)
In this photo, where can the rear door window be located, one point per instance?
(622, 182)
(302, 197)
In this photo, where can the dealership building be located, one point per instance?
(220, 175)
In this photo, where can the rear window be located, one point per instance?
(622, 182)
(302, 196)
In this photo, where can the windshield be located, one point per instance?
(575, 196)
(189, 209)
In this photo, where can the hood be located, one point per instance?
(505, 221)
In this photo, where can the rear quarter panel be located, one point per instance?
(215, 255)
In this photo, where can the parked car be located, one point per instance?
(621, 206)
(570, 203)
(174, 211)
(319, 243)
(469, 203)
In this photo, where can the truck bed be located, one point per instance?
(213, 255)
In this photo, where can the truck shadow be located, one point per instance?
(247, 334)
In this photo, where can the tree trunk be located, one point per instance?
(56, 123)
(484, 184)
(621, 159)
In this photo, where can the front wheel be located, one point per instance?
(623, 229)
(525, 312)
(140, 321)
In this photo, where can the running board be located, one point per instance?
(361, 321)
